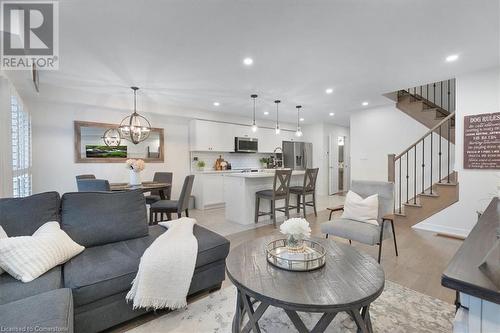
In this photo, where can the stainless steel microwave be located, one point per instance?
(246, 145)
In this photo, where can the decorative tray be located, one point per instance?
(313, 256)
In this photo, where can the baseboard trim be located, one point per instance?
(443, 230)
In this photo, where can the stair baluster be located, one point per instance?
(415, 176)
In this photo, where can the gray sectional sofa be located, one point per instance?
(87, 293)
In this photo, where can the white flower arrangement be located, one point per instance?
(135, 165)
(296, 227)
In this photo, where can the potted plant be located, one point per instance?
(200, 165)
(296, 229)
(135, 167)
(264, 161)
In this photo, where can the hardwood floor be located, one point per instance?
(423, 256)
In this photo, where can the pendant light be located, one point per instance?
(298, 133)
(254, 125)
(277, 130)
(135, 127)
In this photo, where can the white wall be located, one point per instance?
(54, 167)
(476, 93)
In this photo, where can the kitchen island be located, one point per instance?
(240, 188)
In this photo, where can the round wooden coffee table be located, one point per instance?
(350, 281)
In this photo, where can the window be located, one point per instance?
(21, 148)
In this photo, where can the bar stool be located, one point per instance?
(308, 188)
(280, 191)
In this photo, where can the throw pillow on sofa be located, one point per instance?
(359, 209)
(28, 257)
(3, 235)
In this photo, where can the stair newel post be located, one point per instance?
(423, 165)
(399, 185)
(449, 137)
(407, 179)
(440, 153)
(415, 175)
(391, 172)
(431, 164)
(449, 96)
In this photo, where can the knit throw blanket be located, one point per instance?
(166, 268)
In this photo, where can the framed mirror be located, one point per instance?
(100, 143)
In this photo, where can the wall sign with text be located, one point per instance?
(482, 141)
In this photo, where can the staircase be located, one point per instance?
(424, 181)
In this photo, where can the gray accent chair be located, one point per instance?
(92, 185)
(91, 287)
(280, 191)
(365, 232)
(173, 206)
(160, 177)
(85, 177)
(308, 188)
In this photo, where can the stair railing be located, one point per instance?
(413, 169)
(439, 95)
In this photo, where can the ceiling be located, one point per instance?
(188, 54)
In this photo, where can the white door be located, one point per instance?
(338, 164)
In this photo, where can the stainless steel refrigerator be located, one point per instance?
(297, 155)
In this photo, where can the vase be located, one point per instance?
(295, 244)
(135, 178)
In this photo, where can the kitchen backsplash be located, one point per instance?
(238, 161)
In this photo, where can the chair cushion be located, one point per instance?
(114, 266)
(151, 199)
(96, 218)
(12, 289)
(349, 229)
(49, 310)
(23, 216)
(268, 194)
(165, 204)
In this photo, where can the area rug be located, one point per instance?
(398, 309)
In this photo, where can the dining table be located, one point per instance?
(144, 187)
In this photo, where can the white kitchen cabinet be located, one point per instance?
(214, 136)
(208, 190)
(211, 136)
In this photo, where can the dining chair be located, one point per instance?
(93, 185)
(160, 177)
(280, 191)
(363, 232)
(173, 206)
(307, 188)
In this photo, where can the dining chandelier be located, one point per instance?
(135, 128)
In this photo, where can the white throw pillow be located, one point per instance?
(28, 257)
(359, 209)
(3, 235)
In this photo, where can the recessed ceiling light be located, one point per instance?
(216, 103)
(329, 90)
(266, 113)
(248, 61)
(301, 119)
(452, 58)
(364, 103)
(331, 114)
